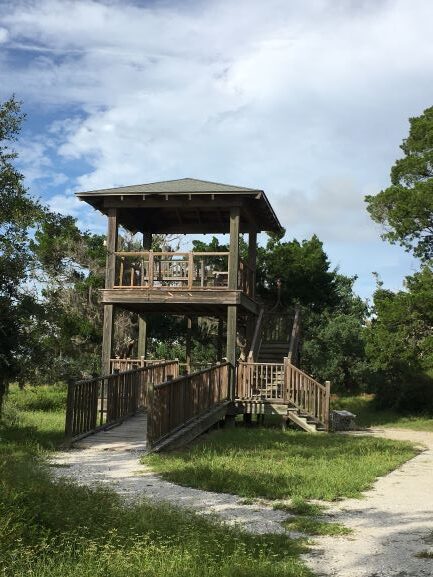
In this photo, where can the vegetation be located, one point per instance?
(274, 464)
(57, 529)
(406, 207)
(368, 414)
(311, 526)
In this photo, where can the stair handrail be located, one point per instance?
(295, 335)
(255, 343)
(307, 394)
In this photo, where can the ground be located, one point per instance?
(391, 524)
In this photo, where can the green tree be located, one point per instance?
(400, 344)
(406, 207)
(333, 346)
(304, 271)
(18, 213)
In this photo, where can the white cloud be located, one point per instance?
(308, 100)
(4, 35)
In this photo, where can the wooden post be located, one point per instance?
(110, 274)
(142, 320)
(220, 338)
(285, 379)
(188, 343)
(252, 258)
(70, 412)
(327, 403)
(231, 309)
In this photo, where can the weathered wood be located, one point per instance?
(257, 336)
(176, 402)
(295, 337)
(234, 249)
(188, 343)
(110, 273)
(231, 346)
(285, 384)
(107, 336)
(252, 260)
(103, 401)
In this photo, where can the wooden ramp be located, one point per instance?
(149, 408)
(130, 435)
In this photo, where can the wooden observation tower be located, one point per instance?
(218, 285)
(194, 284)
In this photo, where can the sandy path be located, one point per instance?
(391, 524)
(107, 459)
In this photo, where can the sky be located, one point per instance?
(308, 100)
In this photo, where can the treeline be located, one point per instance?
(51, 273)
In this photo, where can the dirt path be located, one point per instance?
(392, 524)
(112, 459)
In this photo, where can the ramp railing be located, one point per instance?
(176, 402)
(97, 403)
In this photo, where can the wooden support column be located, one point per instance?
(252, 262)
(142, 319)
(188, 343)
(220, 338)
(233, 285)
(110, 273)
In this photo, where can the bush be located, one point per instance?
(38, 398)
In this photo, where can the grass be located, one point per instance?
(368, 416)
(299, 506)
(58, 529)
(312, 526)
(274, 464)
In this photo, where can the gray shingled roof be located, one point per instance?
(182, 185)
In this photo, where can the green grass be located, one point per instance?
(312, 526)
(299, 506)
(58, 529)
(368, 416)
(274, 464)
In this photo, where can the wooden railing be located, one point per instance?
(295, 337)
(257, 337)
(246, 278)
(172, 270)
(175, 402)
(277, 327)
(284, 383)
(260, 381)
(96, 403)
(307, 394)
(120, 365)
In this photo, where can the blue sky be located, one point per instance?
(308, 100)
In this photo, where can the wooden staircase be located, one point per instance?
(270, 381)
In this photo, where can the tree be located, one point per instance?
(406, 207)
(333, 346)
(304, 271)
(18, 213)
(400, 344)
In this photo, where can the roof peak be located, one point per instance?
(177, 185)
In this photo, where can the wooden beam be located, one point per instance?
(234, 248)
(188, 343)
(231, 348)
(252, 259)
(110, 271)
(142, 319)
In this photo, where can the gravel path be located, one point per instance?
(106, 459)
(392, 524)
